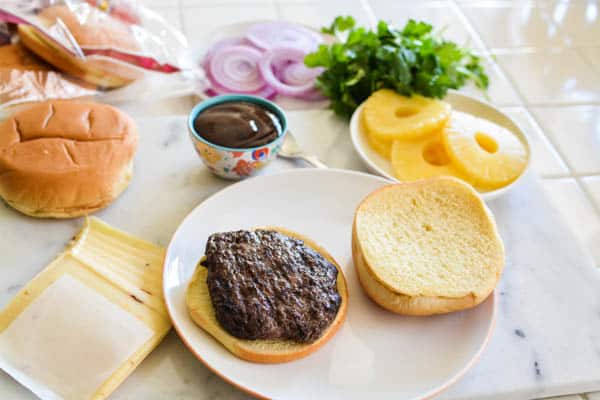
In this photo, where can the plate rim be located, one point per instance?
(180, 332)
(355, 131)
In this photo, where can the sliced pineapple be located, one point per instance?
(422, 158)
(389, 115)
(490, 155)
(382, 147)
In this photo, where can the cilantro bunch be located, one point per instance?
(411, 60)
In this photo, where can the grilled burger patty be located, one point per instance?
(265, 285)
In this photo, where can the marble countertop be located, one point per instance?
(543, 58)
(547, 339)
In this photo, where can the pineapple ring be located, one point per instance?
(380, 146)
(389, 115)
(423, 158)
(383, 148)
(490, 155)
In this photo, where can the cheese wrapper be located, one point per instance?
(84, 323)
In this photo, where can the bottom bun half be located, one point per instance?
(261, 351)
(26, 198)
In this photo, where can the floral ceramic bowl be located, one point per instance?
(236, 163)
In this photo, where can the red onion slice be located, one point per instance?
(266, 92)
(234, 41)
(299, 74)
(313, 95)
(223, 90)
(236, 68)
(277, 57)
(270, 35)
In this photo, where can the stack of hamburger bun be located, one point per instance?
(102, 32)
(24, 77)
(64, 158)
(15, 56)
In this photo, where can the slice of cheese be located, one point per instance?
(84, 323)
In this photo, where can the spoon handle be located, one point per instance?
(314, 161)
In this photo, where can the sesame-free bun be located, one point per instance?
(15, 56)
(65, 159)
(426, 247)
(106, 32)
(24, 78)
(261, 351)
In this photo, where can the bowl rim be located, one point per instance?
(230, 98)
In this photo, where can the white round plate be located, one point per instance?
(239, 30)
(375, 354)
(460, 102)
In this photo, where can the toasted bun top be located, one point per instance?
(431, 237)
(55, 137)
(100, 30)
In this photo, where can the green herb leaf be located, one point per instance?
(339, 24)
(410, 60)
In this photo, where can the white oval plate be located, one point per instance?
(375, 354)
(460, 102)
(239, 30)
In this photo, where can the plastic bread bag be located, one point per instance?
(114, 50)
(4, 34)
(26, 78)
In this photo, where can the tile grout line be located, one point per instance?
(486, 49)
(534, 49)
(511, 81)
(564, 104)
(521, 97)
(233, 4)
(586, 59)
(571, 169)
(572, 174)
(470, 28)
(181, 19)
(278, 9)
(526, 49)
(588, 194)
(368, 9)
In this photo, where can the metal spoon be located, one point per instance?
(291, 149)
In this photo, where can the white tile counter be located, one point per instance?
(544, 66)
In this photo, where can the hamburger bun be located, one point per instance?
(261, 351)
(24, 77)
(426, 247)
(15, 56)
(103, 32)
(65, 159)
